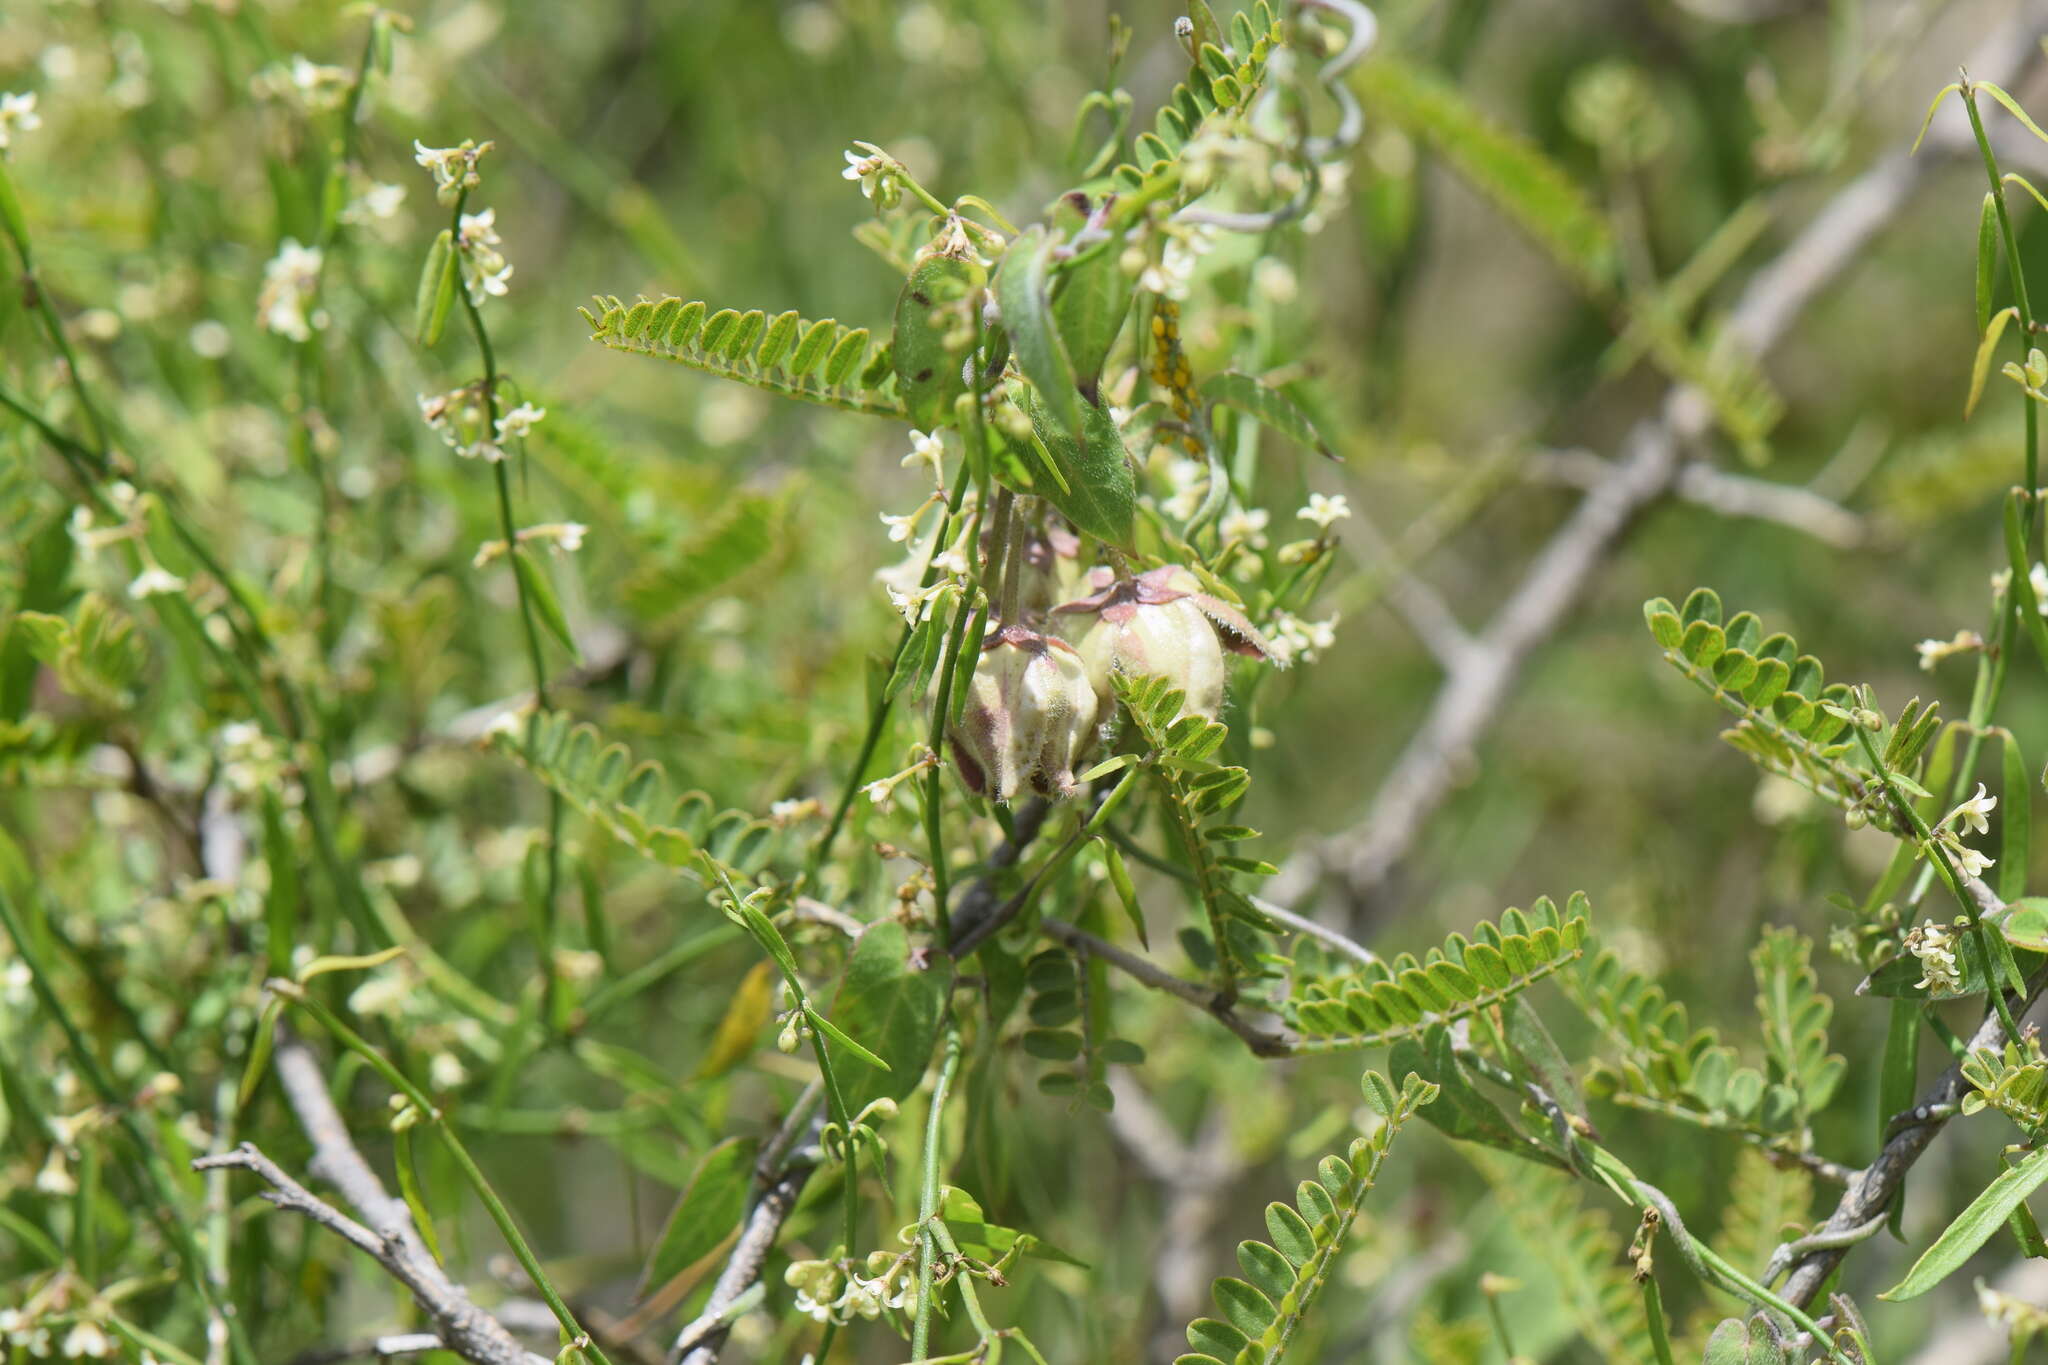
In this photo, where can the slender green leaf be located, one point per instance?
(1973, 1227)
(1023, 293)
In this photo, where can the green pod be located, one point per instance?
(437, 290)
(930, 311)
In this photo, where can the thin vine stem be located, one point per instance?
(551, 985)
(928, 1195)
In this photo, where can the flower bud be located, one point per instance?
(1161, 623)
(1030, 711)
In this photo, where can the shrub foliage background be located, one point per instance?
(299, 501)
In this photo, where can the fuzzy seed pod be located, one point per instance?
(1163, 623)
(1030, 712)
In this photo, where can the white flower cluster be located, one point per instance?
(1174, 276)
(1968, 816)
(485, 272)
(377, 204)
(876, 171)
(563, 537)
(17, 115)
(2037, 578)
(154, 581)
(454, 168)
(1935, 946)
(314, 87)
(290, 282)
(1933, 652)
(826, 1293)
(1292, 640)
(458, 417)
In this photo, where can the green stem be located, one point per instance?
(878, 719)
(32, 286)
(1994, 982)
(928, 1197)
(155, 1173)
(548, 927)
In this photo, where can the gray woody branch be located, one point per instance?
(387, 1234)
(1872, 1189)
(1651, 467)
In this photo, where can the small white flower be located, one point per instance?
(154, 580)
(1972, 812)
(1934, 945)
(1325, 512)
(1190, 481)
(1933, 652)
(871, 169)
(209, 339)
(881, 791)
(86, 1340)
(446, 1071)
(17, 989)
(787, 812)
(1274, 281)
(484, 271)
(289, 283)
(519, 421)
(1969, 861)
(375, 204)
(569, 535)
(929, 448)
(454, 168)
(17, 115)
(1246, 524)
(55, 1178)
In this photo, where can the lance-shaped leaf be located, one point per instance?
(1265, 404)
(1090, 480)
(1023, 292)
(708, 1210)
(890, 1004)
(1973, 1227)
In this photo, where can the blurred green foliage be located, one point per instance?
(731, 629)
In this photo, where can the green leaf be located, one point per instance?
(891, 1006)
(436, 294)
(1023, 293)
(1980, 367)
(928, 311)
(976, 1236)
(1090, 304)
(10, 209)
(1533, 1046)
(707, 1211)
(2021, 584)
(541, 596)
(1291, 1233)
(2025, 923)
(1126, 892)
(1987, 257)
(1973, 1227)
(1897, 1080)
(1502, 164)
(1101, 494)
(2016, 820)
(1265, 404)
(739, 1030)
(1459, 1109)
